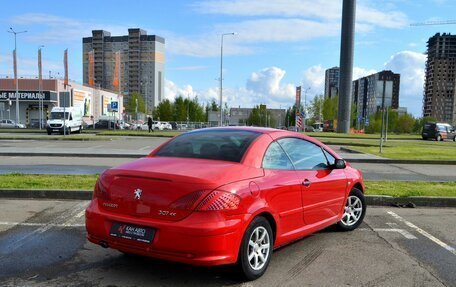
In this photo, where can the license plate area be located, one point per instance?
(132, 232)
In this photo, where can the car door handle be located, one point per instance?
(306, 183)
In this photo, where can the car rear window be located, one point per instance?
(226, 145)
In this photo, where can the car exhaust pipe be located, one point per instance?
(104, 244)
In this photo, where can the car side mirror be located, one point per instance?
(339, 164)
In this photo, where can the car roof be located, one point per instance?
(240, 128)
(261, 130)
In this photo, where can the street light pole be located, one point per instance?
(221, 76)
(40, 87)
(17, 78)
(305, 107)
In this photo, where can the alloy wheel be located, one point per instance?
(258, 249)
(353, 211)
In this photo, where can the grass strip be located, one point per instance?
(45, 181)
(411, 188)
(86, 182)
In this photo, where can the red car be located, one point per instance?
(225, 195)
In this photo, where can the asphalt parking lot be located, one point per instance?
(42, 243)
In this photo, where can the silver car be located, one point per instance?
(10, 124)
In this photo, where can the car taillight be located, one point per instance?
(188, 201)
(100, 191)
(219, 200)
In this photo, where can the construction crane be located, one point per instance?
(443, 22)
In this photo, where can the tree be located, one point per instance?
(131, 105)
(165, 110)
(316, 108)
(214, 106)
(180, 109)
(261, 117)
(330, 108)
(405, 124)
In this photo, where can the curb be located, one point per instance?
(46, 194)
(372, 200)
(53, 154)
(428, 201)
(394, 161)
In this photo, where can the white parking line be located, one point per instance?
(403, 232)
(424, 233)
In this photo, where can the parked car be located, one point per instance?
(438, 131)
(225, 195)
(10, 124)
(35, 123)
(167, 126)
(106, 124)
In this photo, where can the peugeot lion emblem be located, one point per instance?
(138, 193)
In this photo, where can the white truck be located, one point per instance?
(64, 120)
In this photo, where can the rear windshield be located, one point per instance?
(216, 144)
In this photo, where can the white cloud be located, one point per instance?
(359, 72)
(280, 30)
(172, 91)
(316, 9)
(52, 27)
(314, 78)
(411, 67)
(262, 87)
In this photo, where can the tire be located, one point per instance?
(354, 211)
(80, 130)
(253, 268)
(454, 138)
(424, 138)
(438, 138)
(49, 133)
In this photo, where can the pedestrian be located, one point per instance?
(149, 123)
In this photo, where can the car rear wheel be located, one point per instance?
(354, 211)
(438, 138)
(256, 249)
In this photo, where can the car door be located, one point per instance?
(323, 188)
(281, 188)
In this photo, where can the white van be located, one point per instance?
(72, 120)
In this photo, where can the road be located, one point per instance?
(43, 242)
(140, 146)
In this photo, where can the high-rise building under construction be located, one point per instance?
(440, 83)
(141, 64)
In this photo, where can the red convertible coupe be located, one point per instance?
(225, 195)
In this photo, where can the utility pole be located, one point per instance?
(346, 65)
(383, 115)
(15, 70)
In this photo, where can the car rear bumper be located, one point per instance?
(202, 238)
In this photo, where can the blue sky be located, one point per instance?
(280, 44)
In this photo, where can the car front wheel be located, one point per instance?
(354, 211)
(256, 249)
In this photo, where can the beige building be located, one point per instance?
(92, 103)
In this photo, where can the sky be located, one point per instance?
(280, 44)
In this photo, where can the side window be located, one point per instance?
(275, 158)
(304, 155)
